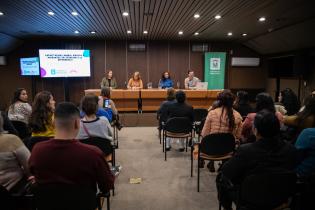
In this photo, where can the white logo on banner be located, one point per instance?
(215, 65)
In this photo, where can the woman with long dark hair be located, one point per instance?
(223, 119)
(263, 102)
(109, 80)
(166, 81)
(242, 103)
(19, 109)
(305, 118)
(290, 101)
(42, 117)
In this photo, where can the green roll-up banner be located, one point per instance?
(215, 69)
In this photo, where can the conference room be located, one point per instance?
(157, 104)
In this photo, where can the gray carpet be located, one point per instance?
(165, 185)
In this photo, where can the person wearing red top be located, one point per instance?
(64, 160)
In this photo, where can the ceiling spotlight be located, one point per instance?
(180, 32)
(1, 13)
(93, 32)
(145, 32)
(76, 32)
(217, 17)
(196, 16)
(230, 34)
(128, 32)
(74, 13)
(244, 34)
(51, 13)
(196, 34)
(262, 19)
(125, 14)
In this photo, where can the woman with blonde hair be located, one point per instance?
(135, 82)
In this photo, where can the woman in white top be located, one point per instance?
(19, 109)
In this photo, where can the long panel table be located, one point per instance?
(127, 100)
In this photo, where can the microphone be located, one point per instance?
(126, 84)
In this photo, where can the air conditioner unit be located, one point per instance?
(203, 47)
(246, 62)
(3, 61)
(137, 47)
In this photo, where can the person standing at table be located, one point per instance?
(135, 82)
(109, 80)
(166, 81)
(191, 80)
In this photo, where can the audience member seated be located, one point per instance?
(166, 81)
(42, 117)
(191, 81)
(306, 147)
(242, 105)
(135, 82)
(13, 161)
(19, 109)
(179, 109)
(109, 81)
(106, 103)
(93, 126)
(289, 101)
(263, 101)
(222, 119)
(268, 153)
(64, 160)
(162, 111)
(303, 119)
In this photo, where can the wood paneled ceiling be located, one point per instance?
(163, 19)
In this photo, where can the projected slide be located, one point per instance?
(64, 63)
(29, 66)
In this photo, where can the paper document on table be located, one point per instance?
(135, 180)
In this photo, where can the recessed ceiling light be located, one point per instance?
(125, 14)
(76, 32)
(180, 32)
(74, 13)
(230, 34)
(196, 16)
(93, 32)
(1, 13)
(51, 13)
(128, 32)
(196, 33)
(244, 34)
(262, 19)
(217, 17)
(145, 32)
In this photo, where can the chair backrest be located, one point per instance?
(178, 125)
(217, 144)
(103, 144)
(22, 129)
(267, 190)
(200, 114)
(64, 197)
(31, 141)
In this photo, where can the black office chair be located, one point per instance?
(103, 144)
(22, 129)
(66, 196)
(267, 190)
(214, 147)
(177, 127)
(32, 141)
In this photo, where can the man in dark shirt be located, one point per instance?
(269, 152)
(179, 109)
(67, 161)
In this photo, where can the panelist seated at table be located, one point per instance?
(191, 81)
(135, 82)
(166, 81)
(109, 80)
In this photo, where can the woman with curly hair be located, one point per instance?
(42, 117)
(290, 101)
(19, 109)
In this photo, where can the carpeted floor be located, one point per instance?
(165, 185)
